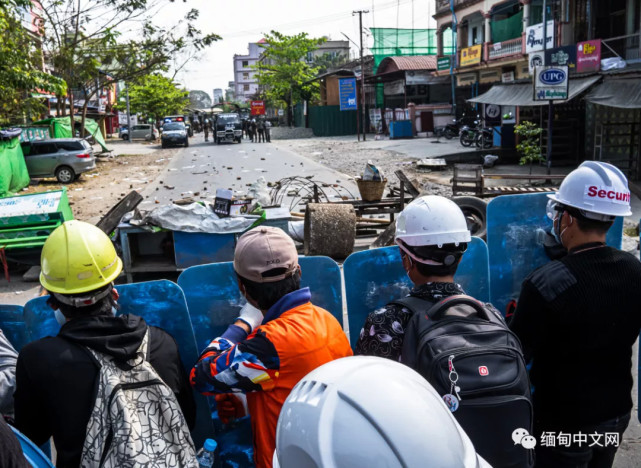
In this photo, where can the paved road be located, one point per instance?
(203, 167)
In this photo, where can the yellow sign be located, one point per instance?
(471, 55)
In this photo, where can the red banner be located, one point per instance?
(258, 107)
(588, 56)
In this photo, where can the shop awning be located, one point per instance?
(521, 94)
(621, 93)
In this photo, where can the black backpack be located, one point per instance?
(463, 340)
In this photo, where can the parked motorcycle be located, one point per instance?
(469, 134)
(484, 138)
(454, 129)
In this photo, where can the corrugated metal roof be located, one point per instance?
(621, 93)
(415, 62)
(522, 94)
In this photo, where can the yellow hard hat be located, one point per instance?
(78, 257)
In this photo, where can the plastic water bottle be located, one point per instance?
(205, 455)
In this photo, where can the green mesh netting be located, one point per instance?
(390, 42)
(508, 28)
(398, 42)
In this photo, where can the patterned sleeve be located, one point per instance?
(383, 333)
(249, 366)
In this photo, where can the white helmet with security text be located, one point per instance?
(598, 190)
(432, 220)
(334, 419)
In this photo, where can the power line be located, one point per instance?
(308, 22)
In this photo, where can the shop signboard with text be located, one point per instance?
(258, 107)
(551, 83)
(588, 56)
(443, 63)
(534, 37)
(471, 55)
(347, 94)
(562, 56)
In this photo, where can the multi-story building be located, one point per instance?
(332, 50)
(498, 44)
(245, 83)
(230, 92)
(218, 95)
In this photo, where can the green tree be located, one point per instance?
(529, 147)
(327, 62)
(19, 73)
(85, 43)
(283, 73)
(156, 96)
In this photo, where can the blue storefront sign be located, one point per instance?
(347, 93)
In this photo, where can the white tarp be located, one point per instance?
(194, 218)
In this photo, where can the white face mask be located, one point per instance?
(61, 319)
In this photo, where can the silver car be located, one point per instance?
(139, 132)
(64, 158)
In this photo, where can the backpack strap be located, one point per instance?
(436, 311)
(481, 309)
(414, 304)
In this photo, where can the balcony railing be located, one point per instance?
(444, 5)
(627, 47)
(499, 50)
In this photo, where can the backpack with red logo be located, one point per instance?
(465, 350)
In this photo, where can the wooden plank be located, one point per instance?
(408, 185)
(110, 221)
(385, 238)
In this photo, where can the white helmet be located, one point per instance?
(334, 419)
(598, 190)
(432, 220)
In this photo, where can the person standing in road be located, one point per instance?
(206, 127)
(59, 378)
(578, 318)
(260, 125)
(268, 128)
(279, 337)
(252, 130)
(452, 339)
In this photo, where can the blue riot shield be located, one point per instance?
(376, 277)
(515, 228)
(35, 457)
(214, 299)
(13, 326)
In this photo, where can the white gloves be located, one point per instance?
(251, 316)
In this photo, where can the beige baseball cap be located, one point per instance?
(262, 249)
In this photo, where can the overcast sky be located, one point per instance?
(242, 21)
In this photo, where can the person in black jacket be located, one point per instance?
(577, 319)
(56, 377)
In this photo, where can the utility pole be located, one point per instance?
(129, 131)
(360, 25)
(550, 102)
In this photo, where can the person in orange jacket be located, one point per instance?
(279, 337)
